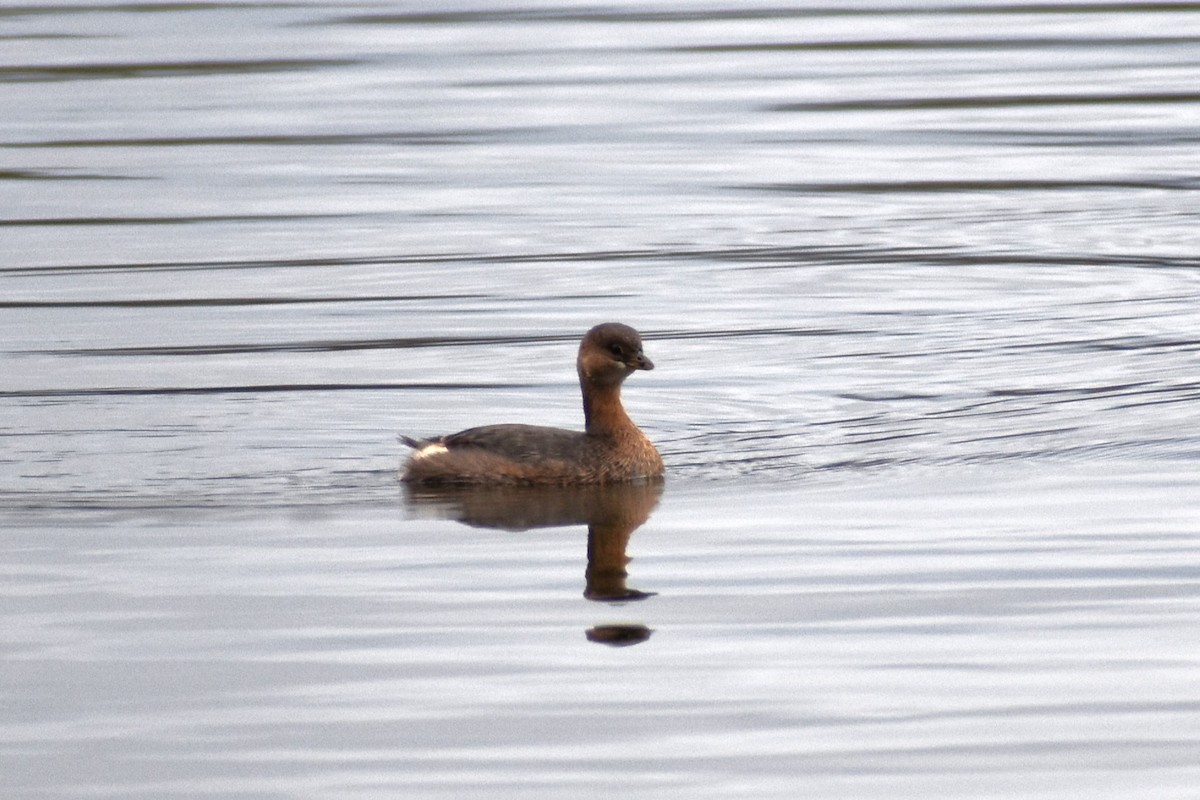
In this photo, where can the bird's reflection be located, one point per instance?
(612, 514)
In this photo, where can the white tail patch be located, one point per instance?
(431, 449)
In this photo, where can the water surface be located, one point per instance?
(921, 284)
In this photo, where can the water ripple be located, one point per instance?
(995, 101)
(103, 71)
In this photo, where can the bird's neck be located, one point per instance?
(603, 413)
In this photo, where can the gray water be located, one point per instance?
(922, 284)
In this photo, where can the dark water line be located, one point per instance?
(448, 137)
(322, 346)
(72, 72)
(199, 219)
(752, 257)
(39, 37)
(953, 187)
(47, 175)
(1066, 137)
(137, 8)
(415, 342)
(932, 44)
(731, 14)
(1121, 344)
(267, 388)
(989, 101)
(205, 302)
(1135, 395)
(302, 263)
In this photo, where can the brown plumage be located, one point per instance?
(611, 449)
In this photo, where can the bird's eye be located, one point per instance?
(616, 350)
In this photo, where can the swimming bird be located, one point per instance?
(610, 449)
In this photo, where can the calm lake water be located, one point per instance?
(922, 284)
